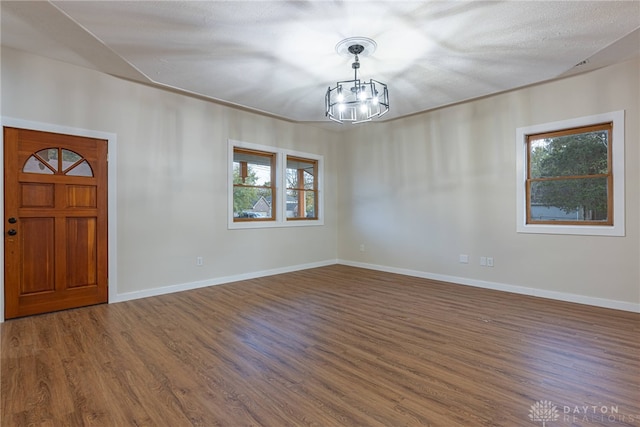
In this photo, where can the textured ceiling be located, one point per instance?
(279, 57)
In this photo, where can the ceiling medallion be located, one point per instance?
(354, 100)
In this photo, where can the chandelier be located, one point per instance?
(356, 101)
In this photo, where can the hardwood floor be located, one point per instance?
(332, 346)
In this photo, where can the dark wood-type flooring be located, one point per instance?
(331, 346)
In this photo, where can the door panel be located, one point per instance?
(81, 252)
(81, 196)
(35, 195)
(56, 243)
(37, 240)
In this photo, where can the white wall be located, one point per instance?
(419, 191)
(172, 174)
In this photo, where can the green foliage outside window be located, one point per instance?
(571, 172)
(252, 190)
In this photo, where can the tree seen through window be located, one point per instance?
(569, 178)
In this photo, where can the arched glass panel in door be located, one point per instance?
(59, 161)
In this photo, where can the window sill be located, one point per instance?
(584, 230)
(273, 224)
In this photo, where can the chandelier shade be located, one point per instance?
(356, 101)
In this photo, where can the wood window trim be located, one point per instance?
(608, 127)
(244, 173)
(301, 208)
(617, 228)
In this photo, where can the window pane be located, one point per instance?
(69, 158)
(81, 169)
(578, 154)
(309, 181)
(301, 173)
(251, 202)
(292, 203)
(301, 204)
(49, 155)
(252, 168)
(34, 165)
(569, 200)
(310, 206)
(292, 178)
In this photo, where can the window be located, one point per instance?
(571, 178)
(302, 188)
(273, 187)
(57, 161)
(253, 185)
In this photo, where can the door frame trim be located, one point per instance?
(111, 192)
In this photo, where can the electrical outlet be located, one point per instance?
(199, 261)
(362, 247)
(489, 261)
(483, 261)
(464, 259)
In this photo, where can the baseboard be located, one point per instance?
(560, 296)
(128, 296)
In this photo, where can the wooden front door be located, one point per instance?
(55, 222)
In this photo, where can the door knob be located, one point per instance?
(12, 220)
(12, 232)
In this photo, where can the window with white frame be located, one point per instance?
(302, 188)
(273, 187)
(254, 184)
(571, 176)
